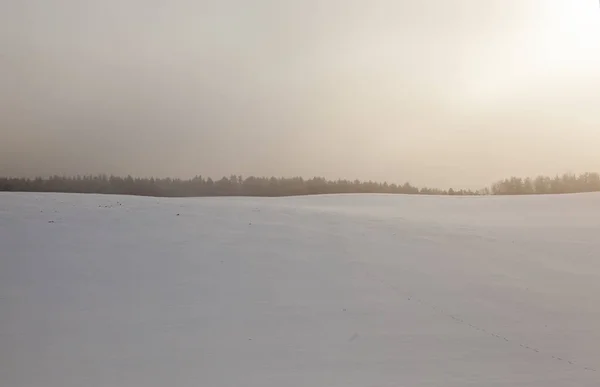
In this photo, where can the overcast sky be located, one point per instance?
(437, 92)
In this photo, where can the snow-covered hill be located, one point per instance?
(354, 290)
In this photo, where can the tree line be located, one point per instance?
(200, 186)
(567, 183)
(295, 186)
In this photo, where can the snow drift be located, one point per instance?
(351, 290)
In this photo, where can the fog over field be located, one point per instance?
(440, 93)
(341, 290)
(345, 100)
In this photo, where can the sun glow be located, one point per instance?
(574, 28)
(562, 44)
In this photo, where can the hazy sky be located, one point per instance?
(437, 92)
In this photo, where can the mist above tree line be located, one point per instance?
(263, 186)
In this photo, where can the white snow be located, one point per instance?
(351, 290)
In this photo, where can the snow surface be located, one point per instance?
(350, 290)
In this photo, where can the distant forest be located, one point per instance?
(263, 186)
(567, 183)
